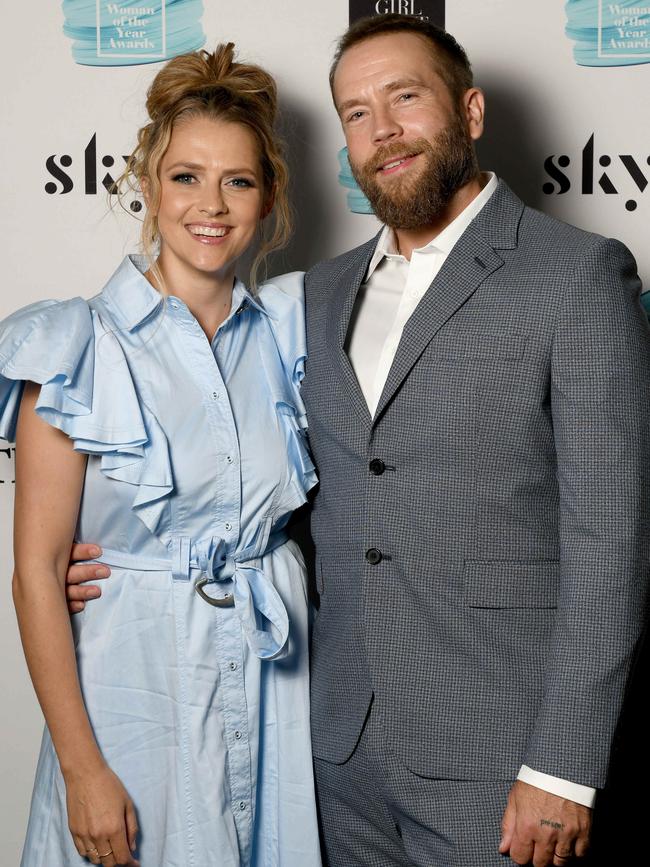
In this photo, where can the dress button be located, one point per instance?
(242, 805)
(374, 556)
(238, 735)
(233, 666)
(228, 525)
(377, 467)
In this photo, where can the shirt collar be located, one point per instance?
(133, 299)
(445, 241)
(243, 298)
(129, 294)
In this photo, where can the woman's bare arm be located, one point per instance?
(49, 480)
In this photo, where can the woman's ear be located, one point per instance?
(145, 186)
(269, 201)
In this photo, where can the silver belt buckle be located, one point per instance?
(222, 602)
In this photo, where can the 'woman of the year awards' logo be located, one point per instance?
(609, 34)
(117, 33)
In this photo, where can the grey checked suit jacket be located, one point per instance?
(512, 516)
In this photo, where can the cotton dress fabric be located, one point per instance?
(197, 457)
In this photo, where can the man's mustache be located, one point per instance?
(393, 150)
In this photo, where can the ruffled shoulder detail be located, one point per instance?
(49, 343)
(87, 392)
(283, 299)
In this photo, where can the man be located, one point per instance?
(476, 390)
(477, 395)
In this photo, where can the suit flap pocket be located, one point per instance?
(511, 583)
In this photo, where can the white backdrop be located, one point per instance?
(541, 105)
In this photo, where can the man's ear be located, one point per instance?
(474, 110)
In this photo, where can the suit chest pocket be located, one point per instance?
(318, 569)
(477, 346)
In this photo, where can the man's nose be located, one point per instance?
(385, 126)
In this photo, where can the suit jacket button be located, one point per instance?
(376, 467)
(374, 556)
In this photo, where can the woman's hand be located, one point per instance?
(101, 817)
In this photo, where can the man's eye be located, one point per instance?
(355, 115)
(183, 178)
(406, 96)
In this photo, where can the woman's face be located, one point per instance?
(211, 199)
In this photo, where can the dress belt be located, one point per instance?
(252, 591)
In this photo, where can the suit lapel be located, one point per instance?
(472, 260)
(341, 304)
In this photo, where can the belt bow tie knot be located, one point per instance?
(253, 594)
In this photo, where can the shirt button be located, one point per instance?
(229, 459)
(374, 556)
(242, 805)
(233, 666)
(215, 395)
(238, 735)
(228, 525)
(376, 467)
(174, 304)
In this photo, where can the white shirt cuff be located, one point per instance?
(584, 795)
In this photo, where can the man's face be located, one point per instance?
(410, 146)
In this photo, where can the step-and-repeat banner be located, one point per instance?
(567, 127)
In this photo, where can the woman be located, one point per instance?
(163, 419)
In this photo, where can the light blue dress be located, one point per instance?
(197, 457)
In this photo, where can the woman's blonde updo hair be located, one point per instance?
(213, 85)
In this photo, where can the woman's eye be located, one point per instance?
(183, 179)
(243, 183)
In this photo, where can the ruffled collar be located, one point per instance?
(132, 299)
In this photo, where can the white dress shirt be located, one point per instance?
(390, 293)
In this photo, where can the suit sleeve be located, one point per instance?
(600, 403)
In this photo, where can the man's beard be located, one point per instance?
(417, 201)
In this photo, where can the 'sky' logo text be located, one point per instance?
(625, 173)
(60, 168)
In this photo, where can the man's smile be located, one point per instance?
(394, 164)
